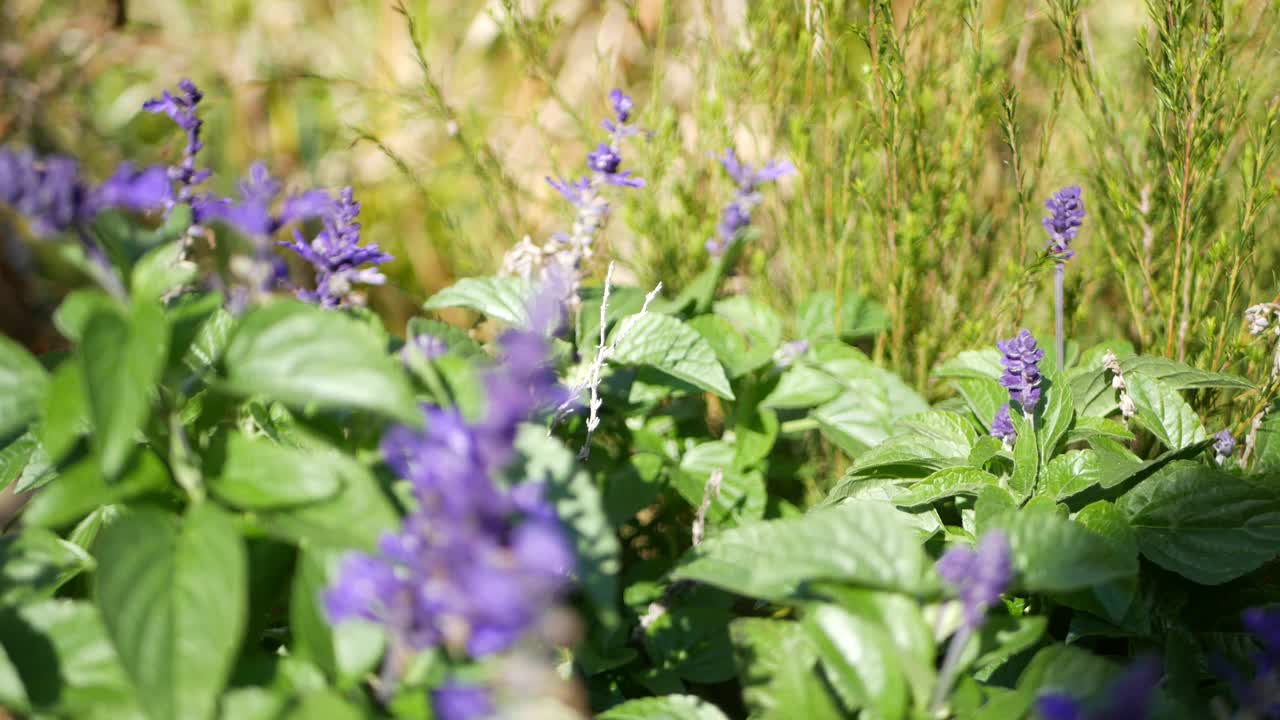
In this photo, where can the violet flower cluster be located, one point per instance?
(978, 575)
(1063, 224)
(1224, 446)
(1128, 698)
(736, 216)
(475, 564)
(337, 256)
(181, 109)
(1259, 695)
(569, 251)
(1021, 360)
(1002, 427)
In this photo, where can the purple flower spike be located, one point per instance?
(182, 110)
(253, 214)
(1064, 224)
(1224, 446)
(454, 701)
(736, 216)
(1002, 426)
(622, 105)
(978, 576)
(1128, 698)
(338, 258)
(141, 190)
(1021, 363)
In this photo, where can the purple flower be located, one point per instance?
(1128, 698)
(454, 701)
(1002, 425)
(604, 160)
(1259, 696)
(1224, 445)
(253, 214)
(978, 577)
(425, 346)
(338, 258)
(736, 216)
(182, 110)
(476, 563)
(621, 105)
(1021, 363)
(129, 189)
(1067, 216)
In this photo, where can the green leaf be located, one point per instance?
(860, 542)
(173, 598)
(777, 666)
(664, 343)
(345, 652)
(862, 660)
(1162, 411)
(1070, 474)
(1054, 554)
(82, 489)
(14, 458)
(35, 562)
(668, 707)
(742, 495)
(945, 483)
(803, 386)
(1055, 417)
(353, 519)
(729, 346)
(902, 621)
(859, 317)
(1266, 455)
(757, 325)
(501, 298)
(121, 360)
(66, 664)
(984, 397)
(1179, 376)
(869, 406)
(303, 356)
(692, 642)
(1109, 522)
(73, 314)
(455, 339)
(1204, 524)
(162, 269)
(1026, 458)
(22, 386)
(65, 416)
(976, 364)
(1087, 428)
(623, 301)
(261, 475)
(1092, 393)
(1068, 669)
(580, 507)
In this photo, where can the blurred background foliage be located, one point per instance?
(927, 134)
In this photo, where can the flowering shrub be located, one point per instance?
(245, 497)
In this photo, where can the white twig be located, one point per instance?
(709, 493)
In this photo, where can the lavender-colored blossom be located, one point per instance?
(736, 216)
(253, 214)
(978, 576)
(425, 346)
(181, 109)
(1128, 698)
(789, 353)
(1002, 426)
(476, 564)
(1257, 696)
(1064, 223)
(1224, 446)
(455, 701)
(338, 258)
(130, 189)
(1021, 361)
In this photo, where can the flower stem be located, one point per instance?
(950, 666)
(1060, 338)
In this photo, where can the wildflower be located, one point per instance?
(454, 701)
(182, 110)
(424, 345)
(252, 215)
(1259, 318)
(337, 256)
(736, 216)
(1064, 223)
(978, 576)
(1002, 426)
(787, 355)
(1021, 363)
(1224, 446)
(1127, 699)
(475, 564)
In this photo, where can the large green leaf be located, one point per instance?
(65, 415)
(777, 667)
(860, 542)
(1204, 524)
(354, 518)
(81, 489)
(976, 364)
(303, 355)
(173, 598)
(15, 456)
(65, 663)
(1070, 473)
(666, 344)
(1179, 376)
(803, 386)
(121, 359)
(22, 385)
(945, 483)
(692, 642)
(456, 340)
(859, 317)
(861, 659)
(261, 475)
(869, 406)
(667, 707)
(501, 298)
(578, 503)
(161, 270)
(35, 562)
(1054, 554)
(1162, 411)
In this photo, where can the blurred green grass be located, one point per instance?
(927, 135)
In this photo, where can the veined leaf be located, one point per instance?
(1179, 376)
(664, 343)
(501, 298)
(1054, 554)
(667, 707)
(22, 386)
(1162, 411)
(777, 666)
(945, 483)
(862, 659)
(261, 475)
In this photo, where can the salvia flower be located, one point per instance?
(476, 564)
(1063, 224)
(1128, 698)
(1021, 361)
(253, 214)
(736, 216)
(1002, 426)
(1224, 446)
(455, 701)
(978, 575)
(337, 256)
(1256, 696)
(181, 108)
(789, 353)
(1259, 318)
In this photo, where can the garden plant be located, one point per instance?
(999, 451)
